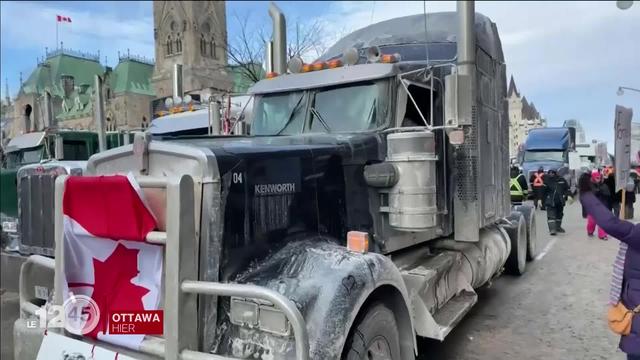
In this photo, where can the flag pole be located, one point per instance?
(57, 43)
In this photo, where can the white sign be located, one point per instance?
(623, 145)
(574, 161)
(57, 347)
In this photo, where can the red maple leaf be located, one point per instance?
(113, 289)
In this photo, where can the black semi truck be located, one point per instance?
(368, 203)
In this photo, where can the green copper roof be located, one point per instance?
(48, 73)
(132, 76)
(241, 82)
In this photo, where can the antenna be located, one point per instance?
(373, 8)
(426, 34)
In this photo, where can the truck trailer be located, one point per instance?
(367, 205)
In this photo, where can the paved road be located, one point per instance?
(556, 310)
(9, 310)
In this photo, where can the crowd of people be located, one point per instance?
(602, 207)
(550, 192)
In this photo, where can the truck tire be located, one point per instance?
(375, 336)
(533, 247)
(517, 260)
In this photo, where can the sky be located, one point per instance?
(567, 57)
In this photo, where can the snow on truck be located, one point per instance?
(369, 202)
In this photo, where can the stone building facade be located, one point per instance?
(194, 34)
(69, 77)
(581, 137)
(523, 116)
(191, 33)
(7, 115)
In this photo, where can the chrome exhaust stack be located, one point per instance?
(279, 40)
(178, 91)
(99, 114)
(460, 109)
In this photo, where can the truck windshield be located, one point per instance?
(23, 157)
(357, 107)
(279, 114)
(350, 108)
(544, 156)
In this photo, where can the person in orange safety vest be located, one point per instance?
(537, 185)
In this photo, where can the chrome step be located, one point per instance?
(453, 311)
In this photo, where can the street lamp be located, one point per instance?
(620, 91)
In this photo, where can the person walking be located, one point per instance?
(518, 186)
(601, 191)
(537, 185)
(625, 292)
(556, 191)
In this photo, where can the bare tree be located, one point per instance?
(246, 48)
(308, 40)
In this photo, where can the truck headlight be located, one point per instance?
(10, 226)
(263, 316)
(244, 313)
(273, 320)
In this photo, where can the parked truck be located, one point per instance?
(551, 149)
(27, 176)
(368, 204)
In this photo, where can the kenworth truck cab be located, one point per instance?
(369, 202)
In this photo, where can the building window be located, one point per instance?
(203, 45)
(212, 49)
(169, 46)
(178, 45)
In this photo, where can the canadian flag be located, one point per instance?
(106, 258)
(61, 18)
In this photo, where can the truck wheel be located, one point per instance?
(529, 213)
(517, 260)
(374, 337)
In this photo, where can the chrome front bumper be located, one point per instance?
(180, 291)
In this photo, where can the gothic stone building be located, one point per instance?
(523, 116)
(69, 76)
(194, 34)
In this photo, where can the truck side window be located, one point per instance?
(412, 116)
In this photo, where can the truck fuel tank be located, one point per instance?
(412, 199)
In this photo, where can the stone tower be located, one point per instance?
(194, 34)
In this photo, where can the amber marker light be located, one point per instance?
(358, 241)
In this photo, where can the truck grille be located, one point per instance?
(35, 211)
